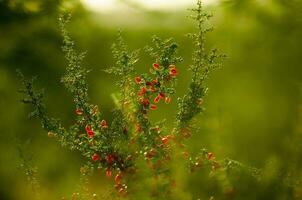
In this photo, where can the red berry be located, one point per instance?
(149, 83)
(152, 107)
(110, 158)
(144, 102)
(152, 88)
(156, 66)
(173, 71)
(79, 111)
(103, 124)
(210, 155)
(118, 178)
(90, 134)
(167, 100)
(162, 95)
(108, 172)
(157, 99)
(89, 131)
(95, 157)
(87, 128)
(138, 80)
(142, 91)
(165, 140)
(155, 82)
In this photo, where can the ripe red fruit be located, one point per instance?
(173, 71)
(110, 158)
(148, 83)
(103, 124)
(90, 134)
(95, 157)
(162, 95)
(167, 100)
(210, 155)
(145, 102)
(89, 131)
(142, 91)
(165, 140)
(108, 172)
(156, 66)
(79, 111)
(155, 82)
(87, 128)
(118, 178)
(152, 88)
(138, 80)
(157, 99)
(152, 107)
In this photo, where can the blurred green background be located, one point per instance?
(254, 107)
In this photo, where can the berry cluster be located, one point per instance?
(152, 91)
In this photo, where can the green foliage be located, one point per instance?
(164, 52)
(203, 64)
(30, 171)
(124, 69)
(75, 77)
(131, 135)
(131, 138)
(35, 98)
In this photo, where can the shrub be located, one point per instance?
(131, 141)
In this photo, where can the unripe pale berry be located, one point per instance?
(50, 134)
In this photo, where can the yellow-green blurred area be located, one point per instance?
(253, 110)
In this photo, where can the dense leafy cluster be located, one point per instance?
(203, 63)
(118, 147)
